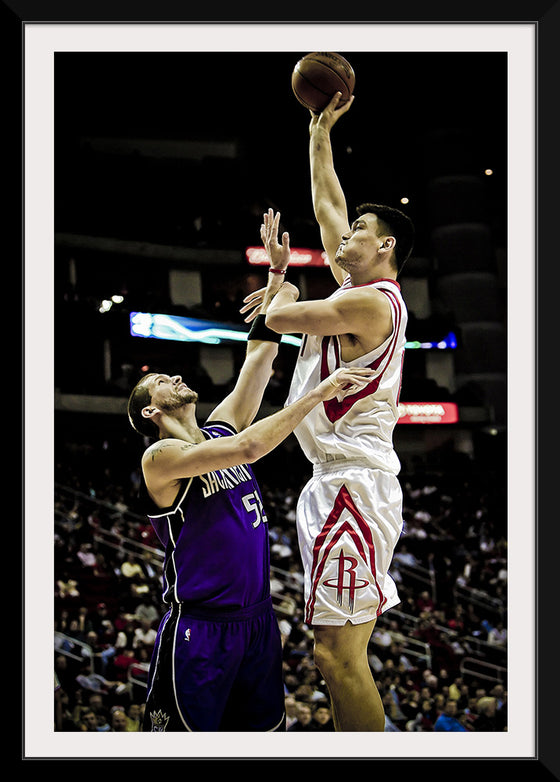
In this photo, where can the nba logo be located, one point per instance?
(188, 634)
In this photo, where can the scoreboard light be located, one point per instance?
(428, 413)
(299, 256)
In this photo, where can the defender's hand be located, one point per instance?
(254, 300)
(279, 254)
(344, 381)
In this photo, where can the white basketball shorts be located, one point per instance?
(349, 519)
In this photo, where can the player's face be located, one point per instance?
(170, 393)
(360, 244)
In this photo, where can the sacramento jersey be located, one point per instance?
(357, 425)
(217, 659)
(215, 537)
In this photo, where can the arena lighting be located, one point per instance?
(105, 305)
(182, 329)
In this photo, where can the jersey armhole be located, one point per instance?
(229, 428)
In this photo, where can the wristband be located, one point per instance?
(277, 271)
(259, 330)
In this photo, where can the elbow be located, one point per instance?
(251, 449)
(275, 322)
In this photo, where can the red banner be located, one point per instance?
(299, 256)
(428, 413)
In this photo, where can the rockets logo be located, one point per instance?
(346, 580)
(344, 520)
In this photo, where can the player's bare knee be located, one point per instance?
(323, 658)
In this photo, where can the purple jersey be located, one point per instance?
(215, 537)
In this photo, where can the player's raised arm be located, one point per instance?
(257, 302)
(242, 405)
(329, 202)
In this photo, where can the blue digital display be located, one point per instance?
(208, 332)
(182, 329)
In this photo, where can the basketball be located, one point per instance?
(317, 76)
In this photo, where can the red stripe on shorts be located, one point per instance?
(321, 551)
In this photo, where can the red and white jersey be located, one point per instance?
(355, 424)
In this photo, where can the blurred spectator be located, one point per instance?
(487, 719)
(405, 557)
(146, 611)
(133, 714)
(94, 682)
(102, 624)
(393, 713)
(122, 661)
(102, 653)
(66, 676)
(410, 705)
(145, 635)
(497, 635)
(291, 711)
(86, 556)
(449, 721)
(303, 718)
(131, 568)
(67, 587)
(119, 721)
(88, 721)
(63, 720)
(322, 717)
(425, 602)
(83, 623)
(125, 634)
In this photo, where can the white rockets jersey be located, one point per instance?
(356, 424)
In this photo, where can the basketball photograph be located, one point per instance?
(279, 298)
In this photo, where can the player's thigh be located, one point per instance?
(256, 701)
(207, 656)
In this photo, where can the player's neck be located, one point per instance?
(364, 278)
(371, 272)
(181, 426)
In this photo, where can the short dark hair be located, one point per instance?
(396, 223)
(137, 401)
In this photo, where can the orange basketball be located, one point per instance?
(317, 76)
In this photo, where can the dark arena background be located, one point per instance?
(164, 166)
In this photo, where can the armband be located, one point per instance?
(259, 330)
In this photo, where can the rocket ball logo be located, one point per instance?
(346, 581)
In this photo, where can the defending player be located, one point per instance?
(349, 514)
(217, 661)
